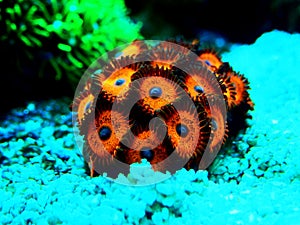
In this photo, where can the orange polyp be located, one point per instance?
(219, 131)
(103, 150)
(212, 60)
(95, 145)
(81, 105)
(145, 139)
(201, 76)
(241, 87)
(194, 141)
(169, 92)
(183, 145)
(109, 85)
(165, 55)
(116, 77)
(228, 89)
(135, 48)
(161, 78)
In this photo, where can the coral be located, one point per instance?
(190, 105)
(61, 38)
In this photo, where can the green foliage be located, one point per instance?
(61, 38)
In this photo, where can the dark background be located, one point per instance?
(234, 21)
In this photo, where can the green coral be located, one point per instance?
(58, 38)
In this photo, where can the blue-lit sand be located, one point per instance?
(256, 181)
